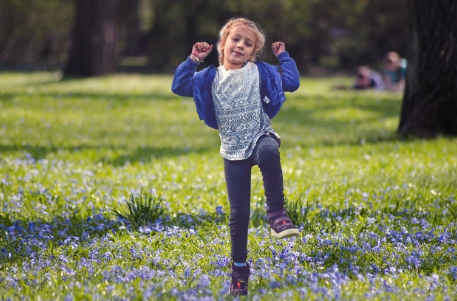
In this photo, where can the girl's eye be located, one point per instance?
(248, 44)
(235, 39)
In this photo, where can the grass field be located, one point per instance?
(377, 213)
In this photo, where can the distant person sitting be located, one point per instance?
(368, 79)
(394, 72)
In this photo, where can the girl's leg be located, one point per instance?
(266, 156)
(238, 179)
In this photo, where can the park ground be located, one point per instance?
(376, 213)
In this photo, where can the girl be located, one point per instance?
(239, 98)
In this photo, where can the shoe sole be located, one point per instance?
(238, 292)
(285, 233)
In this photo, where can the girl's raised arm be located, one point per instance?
(182, 80)
(278, 48)
(289, 72)
(200, 50)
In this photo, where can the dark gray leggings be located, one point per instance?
(238, 178)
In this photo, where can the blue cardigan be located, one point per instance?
(274, 81)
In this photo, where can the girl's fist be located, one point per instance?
(200, 50)
(278, 48)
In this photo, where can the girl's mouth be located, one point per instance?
(237, 53)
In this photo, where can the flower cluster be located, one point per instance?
(192, 263)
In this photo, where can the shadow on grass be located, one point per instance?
(146, 154)
(368, 140)
(100, 96)
(309, 118)
(321, 115)
(59, 89)
(136, 155)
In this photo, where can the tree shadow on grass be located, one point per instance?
(312, 118)
(146, 154)
(320, 113)
(140, 154)
(59, 89)
(101, 96)
(324, 124)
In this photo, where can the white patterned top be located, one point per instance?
(239, 112)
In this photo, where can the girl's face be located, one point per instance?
(239, 46)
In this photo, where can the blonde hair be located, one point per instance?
(225, 30)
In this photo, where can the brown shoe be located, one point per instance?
(281, 224)
(240, 276)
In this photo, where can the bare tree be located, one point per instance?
(94, 41)
(430, 101)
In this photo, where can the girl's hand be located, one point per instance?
(278, 48)
(200, 50)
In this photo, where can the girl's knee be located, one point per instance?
(268, 154)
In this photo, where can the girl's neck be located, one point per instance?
(229, 66)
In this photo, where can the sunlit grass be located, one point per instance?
(72, 151)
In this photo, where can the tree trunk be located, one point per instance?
(95, 35)
(160, 36)
(430, 101)
(132, 28)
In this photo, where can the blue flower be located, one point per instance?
(68, 298)
(453, 271)
(274, 284)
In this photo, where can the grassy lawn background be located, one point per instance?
(378, 216)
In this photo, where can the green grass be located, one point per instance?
(74, 151)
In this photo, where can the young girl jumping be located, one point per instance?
(239, 98)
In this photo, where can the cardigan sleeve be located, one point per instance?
(289, 73)
(182, 84)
